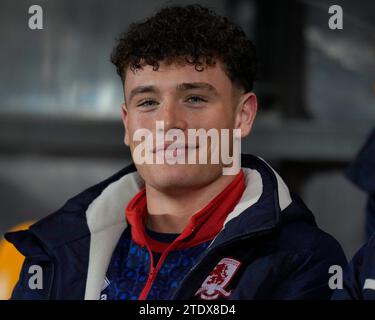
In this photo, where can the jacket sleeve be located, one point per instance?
(36, 274)
(308, 273)
(34, 282)
(20, 291)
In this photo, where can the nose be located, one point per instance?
(173, 116)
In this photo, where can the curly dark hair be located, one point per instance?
(193, 33)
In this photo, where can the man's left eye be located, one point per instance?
(195, 99)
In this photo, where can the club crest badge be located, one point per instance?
(216, 282)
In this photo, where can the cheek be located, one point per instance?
(139, 126)
(221, 118)
(137, 121)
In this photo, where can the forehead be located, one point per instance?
(168, 76)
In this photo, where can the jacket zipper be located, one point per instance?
(153, 272)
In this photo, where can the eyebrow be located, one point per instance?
(197, 85)
(180, 87)
(142, 89)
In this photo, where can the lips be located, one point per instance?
(174, 146)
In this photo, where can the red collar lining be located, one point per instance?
(203, 225)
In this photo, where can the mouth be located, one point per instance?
(174, 147)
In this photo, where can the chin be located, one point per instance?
(172, 177)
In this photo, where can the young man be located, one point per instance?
(165, 230)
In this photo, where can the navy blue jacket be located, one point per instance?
(362, 173)
(281, 253)
(359, 275)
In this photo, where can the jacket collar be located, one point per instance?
(259, 209)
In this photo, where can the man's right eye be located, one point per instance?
(147, 103)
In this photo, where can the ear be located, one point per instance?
(124, 116)
(246, 112)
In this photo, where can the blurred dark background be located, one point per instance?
(60, 125)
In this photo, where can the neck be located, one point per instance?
(170, 213)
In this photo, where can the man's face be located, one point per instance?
(183, 98)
